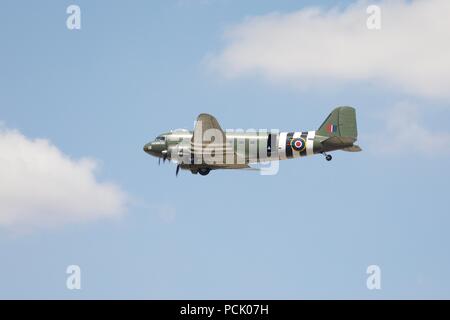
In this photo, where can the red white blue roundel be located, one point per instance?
(298, 144)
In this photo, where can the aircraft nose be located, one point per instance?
(148, 147)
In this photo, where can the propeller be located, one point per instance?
(164, 154)
(178, 170)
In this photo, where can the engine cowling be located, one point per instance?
(180, 153)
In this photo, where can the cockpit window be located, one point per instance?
(160, 138)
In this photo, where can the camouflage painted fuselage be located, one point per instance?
(238, 149)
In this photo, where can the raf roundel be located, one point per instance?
(298, 144)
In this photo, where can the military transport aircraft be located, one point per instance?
(208, 147)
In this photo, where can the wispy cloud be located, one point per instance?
(41, 187)
(404, 133)
(316, 46)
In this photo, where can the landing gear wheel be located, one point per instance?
(204, 171)
(328, 157)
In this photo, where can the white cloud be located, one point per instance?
(404, 133)
(42, 187)
(314, 46)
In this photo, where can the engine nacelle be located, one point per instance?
(180, 153)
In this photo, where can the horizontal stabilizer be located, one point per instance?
(353, 148)
(337, 143)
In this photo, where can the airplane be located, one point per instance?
(208, 147)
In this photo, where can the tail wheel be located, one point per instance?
(204, 171)
(328, 157)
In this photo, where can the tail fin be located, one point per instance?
(340, 123)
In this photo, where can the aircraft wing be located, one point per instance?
(208, 122)
(204, 123)
(209, 135)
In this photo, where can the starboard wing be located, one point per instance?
(206, 122)
(208, 136)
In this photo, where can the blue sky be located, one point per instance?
(136, 70)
